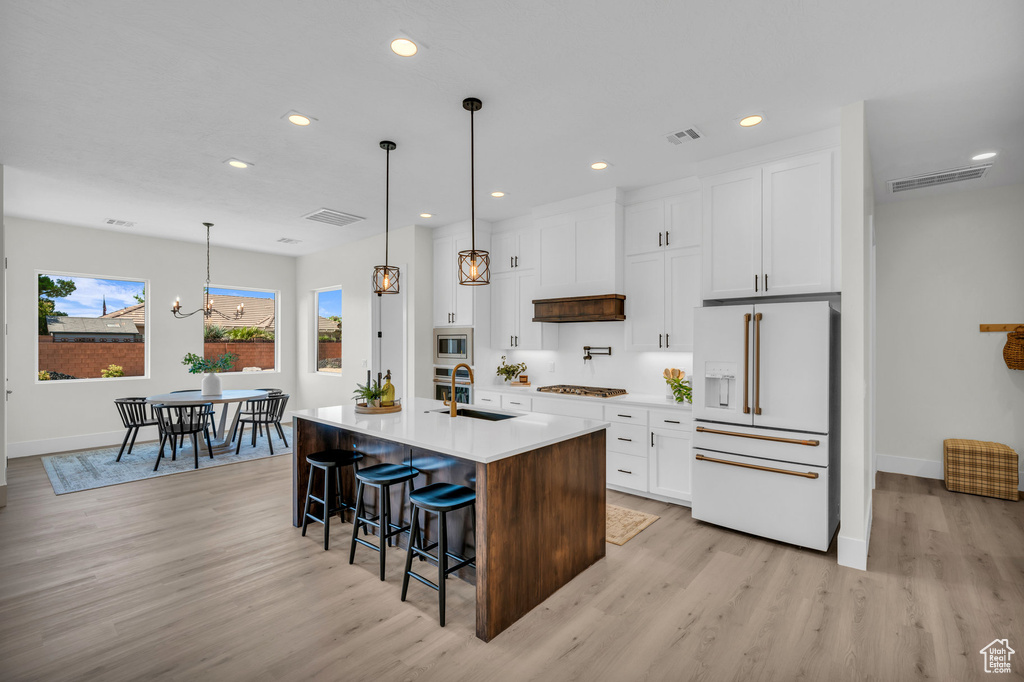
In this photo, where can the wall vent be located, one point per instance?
(332, 217)
(938, 178)
(684, 136)
(120, 223)
(286, 240)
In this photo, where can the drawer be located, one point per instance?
(671, 419)
(488, 398)
(625, 415)
(630, 439)
(627, 471)
(514, 402)
(567, 408)
(787, 446)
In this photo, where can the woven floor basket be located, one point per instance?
(1013, 351)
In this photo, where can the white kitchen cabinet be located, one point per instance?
(662, 289)
(515, 250)
(769, 230)
(580, 252)
(514, 402)
(626, 459)
(512, 325)
(669, 463)
(453, 302)
(487, 398)
(663, 224)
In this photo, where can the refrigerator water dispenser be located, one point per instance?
(720, 389)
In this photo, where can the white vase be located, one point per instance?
(211, 384)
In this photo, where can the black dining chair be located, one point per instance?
(134, 415)
(247, 410)
(265, 412)
(179, 421)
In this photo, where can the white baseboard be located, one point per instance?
(853, 552)
(46, 446)
(923, 468)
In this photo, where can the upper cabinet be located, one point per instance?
(453, 303)
(515, 250)
(769, 230)
(512, 325)
(663, 224)
(580, 251)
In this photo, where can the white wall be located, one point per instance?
(3, 349)
(54, 416)
(945, 265)
(857, 207)
(351, 268)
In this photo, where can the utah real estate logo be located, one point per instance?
(997, 656)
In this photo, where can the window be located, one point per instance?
(242, 322)
(328, 331)
(90, 327)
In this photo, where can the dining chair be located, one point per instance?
(265, 412)
(178, 421)
(134, 415)
(247, 410)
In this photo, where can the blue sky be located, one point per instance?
(87, 299)
(329, 303)
(216, 291)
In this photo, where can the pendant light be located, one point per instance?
(474, 265)
(207, 308)
(385, 277)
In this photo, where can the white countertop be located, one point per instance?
(476, 440)
(639, 399)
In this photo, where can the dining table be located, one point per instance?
(225, 398)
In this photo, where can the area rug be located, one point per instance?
(88, 469)
(623, 524)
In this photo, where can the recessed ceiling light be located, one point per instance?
(238, 163)
(983, 156)
(750, 121)
(497, 195)
(599, 165)
(426, 215)
(403, 47)
(299, 119)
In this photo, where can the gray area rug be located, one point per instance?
(88, 469)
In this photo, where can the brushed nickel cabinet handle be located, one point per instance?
(746, 362)
(802, 474)
(757, 363)
(756, 436)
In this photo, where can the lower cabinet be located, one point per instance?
(669, 463)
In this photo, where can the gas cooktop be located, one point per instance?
(589, 391)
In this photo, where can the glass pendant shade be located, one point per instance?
(474, 265)
(385, 277)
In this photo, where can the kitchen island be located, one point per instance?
(539, 480)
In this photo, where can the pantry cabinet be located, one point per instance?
(769, 230)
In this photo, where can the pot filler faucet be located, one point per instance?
(590, 351)
(455, 371)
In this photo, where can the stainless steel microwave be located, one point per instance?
(453, 345)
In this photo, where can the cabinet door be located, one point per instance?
(644, 226)
(529, 334)
(444, 277)
(462, 295)
(503, 307)
(527, 248)
(797, 225)
(645, 301)
(732, 234)
(682, 292)
(503, 251)
(557, 236)
(683, 221)
(669, 464)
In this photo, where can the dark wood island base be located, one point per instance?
(540, 515)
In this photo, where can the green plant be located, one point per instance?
(44, 376)
(49, 291)
(369, 392)
(213, 332)
(680, 385)
(250, 334)
(508, 371)
(197, 364)
(112, 371)
(329, 337)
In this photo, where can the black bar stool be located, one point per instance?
(327, 461)
(381, 477)
(439, 498)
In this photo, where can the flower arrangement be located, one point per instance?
(510, 372)
(679, 384)
(199, 365)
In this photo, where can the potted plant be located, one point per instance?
(680, 386)
(510, 372)
(197, 364)
(368, 394)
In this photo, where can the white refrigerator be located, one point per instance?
(766, 420)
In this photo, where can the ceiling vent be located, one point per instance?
(120, 223)
(939, 178)
(684, 136)
(286, 240)
(332, 217)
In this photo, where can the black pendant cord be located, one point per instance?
(206, 296)
(472, 184)
(387, 202)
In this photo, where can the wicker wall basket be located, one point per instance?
(1013, 351)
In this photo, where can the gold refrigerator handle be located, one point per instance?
(757, 363)
(801, 474)
(757, 436)
(746, 357)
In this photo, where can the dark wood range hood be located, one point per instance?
(604, 308)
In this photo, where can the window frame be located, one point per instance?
(315, 327)
(277, 317)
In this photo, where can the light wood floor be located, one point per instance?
(200, 576)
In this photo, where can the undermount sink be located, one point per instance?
(477, 414)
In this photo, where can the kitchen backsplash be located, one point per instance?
(633, 371)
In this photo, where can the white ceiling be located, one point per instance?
(128, 110)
